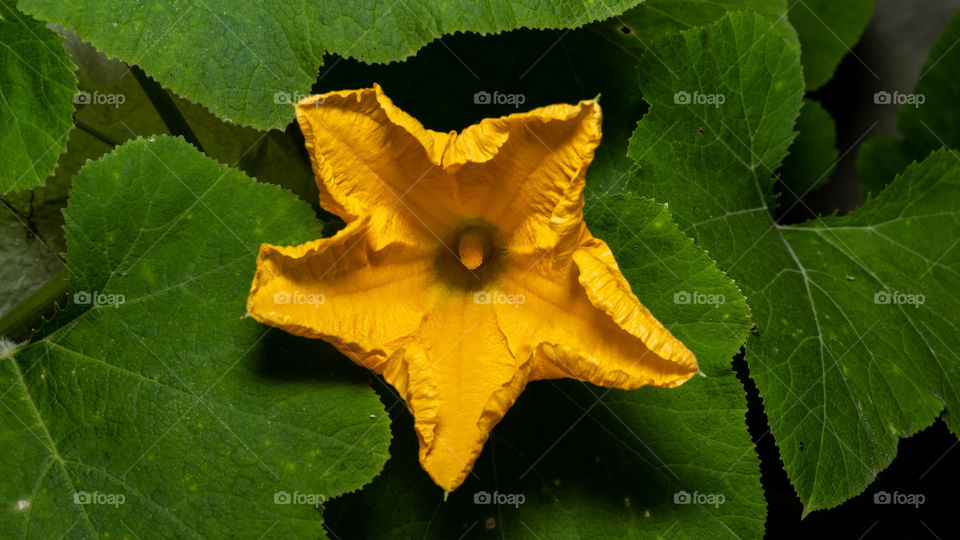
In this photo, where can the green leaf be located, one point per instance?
(842, 374)
(265, 53)
(272, 156)
(927, 122)
(37, 87)
(153, 392)
(33, 232)
(812, 157)
(598, 463)
(828, 29)
(654, 19)
(277, 157)
(879, 160)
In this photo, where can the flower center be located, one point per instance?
(470, 248)
(471, 255)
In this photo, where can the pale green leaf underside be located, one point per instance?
(37, 86)
(842, 376)
(173, 398)
(599, 463)
(236, 57)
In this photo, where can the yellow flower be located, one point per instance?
(465, 269)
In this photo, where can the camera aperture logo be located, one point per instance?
(697, 297)
(292, 98)
(896, 98)
(713, 499)
(496, 297)
(97, 298)
(485, 497)
(109, 499)
(898, 298)
(314, 499)
(910, 499)
(297, 298)
(496, 98)
(696, 98)
(96, 98)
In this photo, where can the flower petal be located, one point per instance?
(531, 188)
(458, 379)
(582, 321)
(523, 172)
(342, 290)
(368, 156)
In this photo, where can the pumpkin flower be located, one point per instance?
(465, 269)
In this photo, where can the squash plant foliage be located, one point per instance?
(151, 150)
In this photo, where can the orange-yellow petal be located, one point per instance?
(458, 378)
(532, 187)
(370, 158)
(524, 172)
(343, 291)
(582, 321)
(608, 289)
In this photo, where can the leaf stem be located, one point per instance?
(30, 308)
(166, 107)
(93, 132)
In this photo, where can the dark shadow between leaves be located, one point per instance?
(547, 462)
(284, 357)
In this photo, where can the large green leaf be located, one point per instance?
(153, 392)
(246, 61)
(828, 29)
(844, 366)
(654, 19)
(880, 159)
(37, 89)
(596, 463)
(929, 120)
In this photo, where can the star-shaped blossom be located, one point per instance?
(465, 269)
